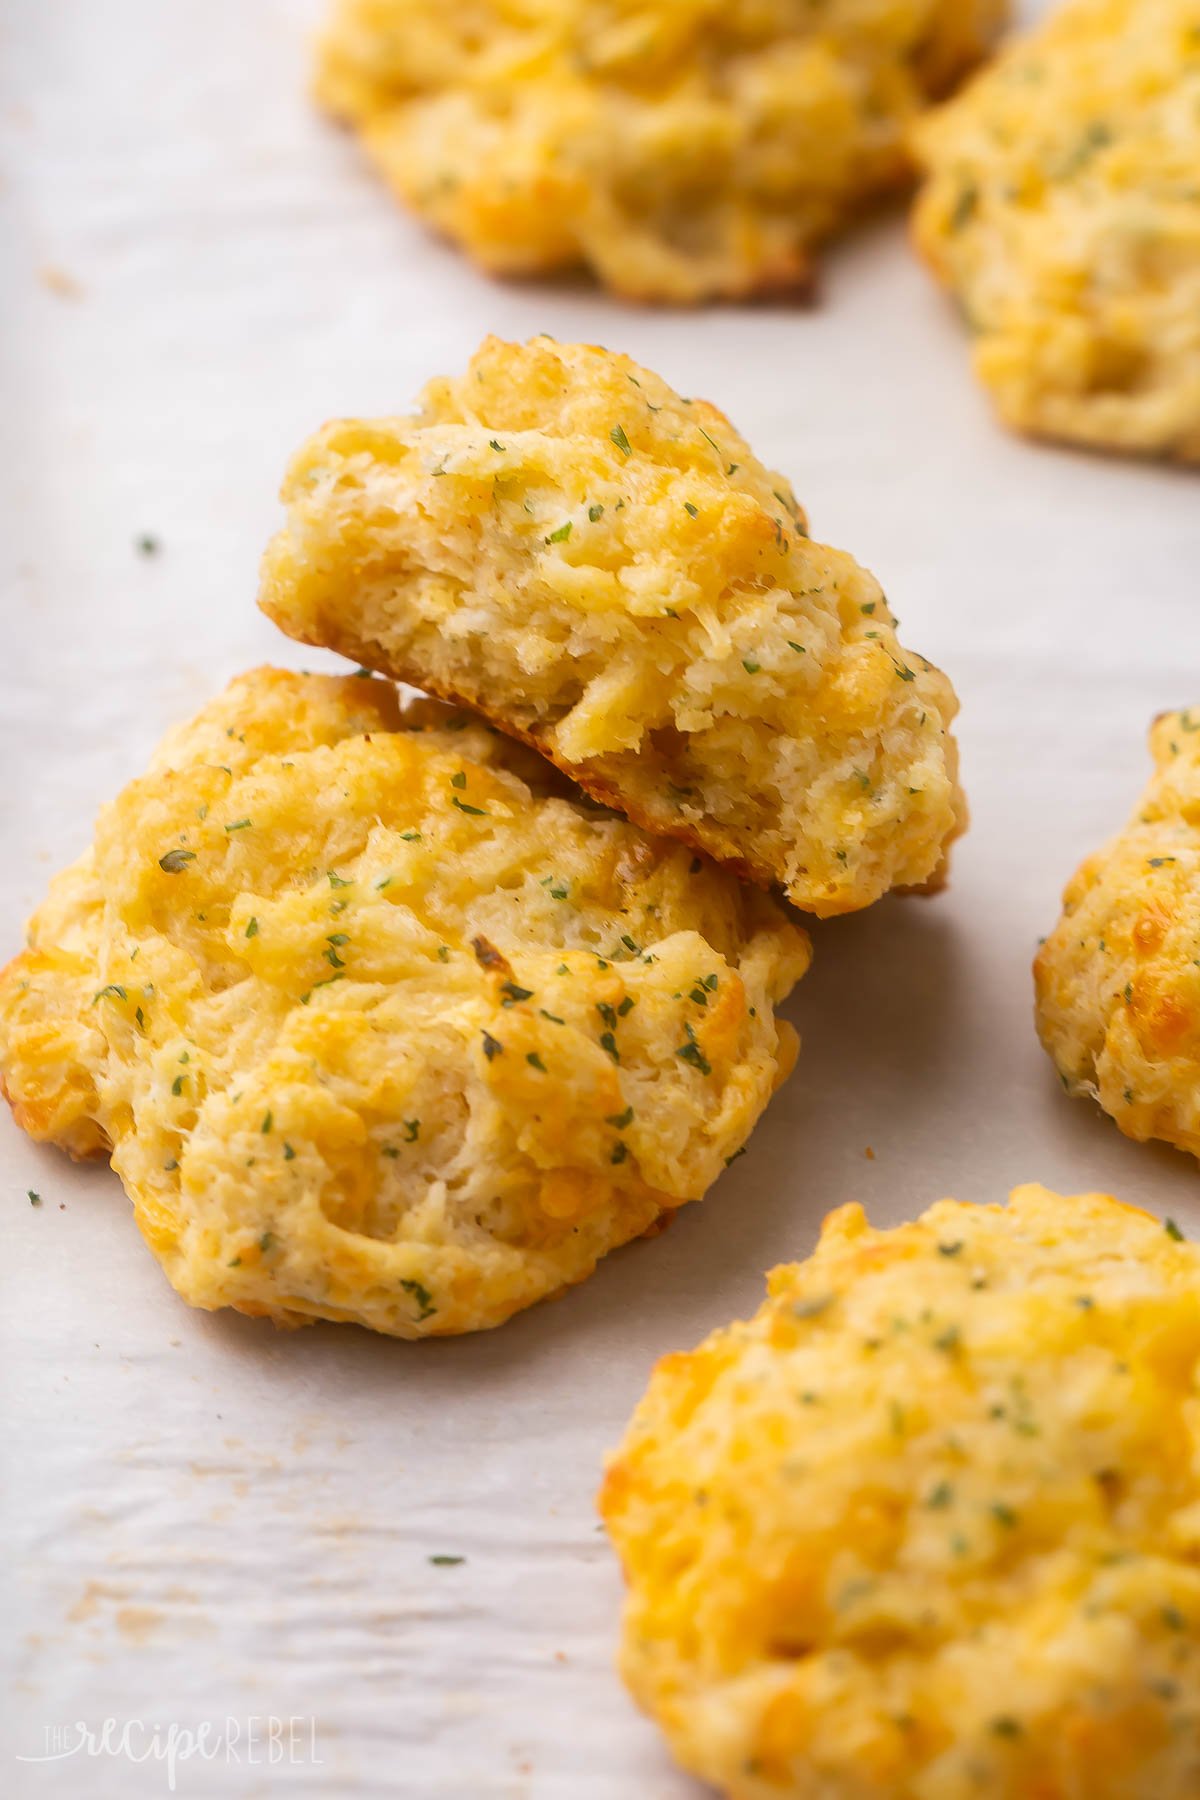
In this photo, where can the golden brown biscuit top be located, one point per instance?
(386, 49)
(358, 1007)
(928, 1523)
(684, 149)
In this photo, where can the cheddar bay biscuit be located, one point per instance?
(607, 571)
(681, 149)
(379, 1028)
(927, 1527)
(1063, 210)
(1118, 979)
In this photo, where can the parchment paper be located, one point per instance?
(209, 1519)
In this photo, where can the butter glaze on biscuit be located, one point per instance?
(606, 570)
(927, 1527)
(379, 1026)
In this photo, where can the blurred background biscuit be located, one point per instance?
(1063, 212)
(681, 150)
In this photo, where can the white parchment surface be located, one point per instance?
(206, 1519)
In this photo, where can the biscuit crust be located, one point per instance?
(927, 1524)
(606, 571)
(378, 1024)
(683, 150)
(1063, 211)
(1117, 982)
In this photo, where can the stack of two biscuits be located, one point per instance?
(381, 1016)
